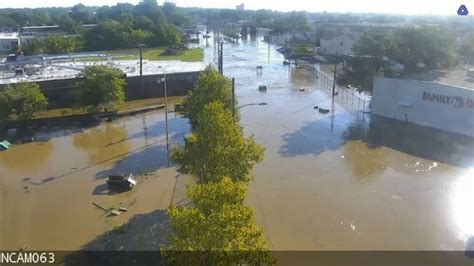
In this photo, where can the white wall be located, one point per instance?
(6, 44)
(429, 104)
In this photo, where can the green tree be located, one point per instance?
(218, 230)
(467, 49)
(424, 49)
(56, 44)
(253, 31)
(210, 87)
(244, 32)
(21, 101)
(32, 47)
(218, 147)
(103, 88)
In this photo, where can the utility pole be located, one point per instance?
(140, 46)
(166, 122)
(233, 97)
(166, 115)
(220, 59)
(334, 80)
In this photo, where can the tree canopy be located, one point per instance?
(210, 87)
(218, 230)
(404, 50)
(417, 49)
(218, 147)
(103, 88)
(53, 44)
(467, 49)
(21, 101)
(118, 27)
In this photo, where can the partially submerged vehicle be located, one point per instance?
(120, 182)
(5, 145)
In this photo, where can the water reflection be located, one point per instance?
(365, 163)
(462, 201)
(427, 143)
(140, 161)
(318, 136)
(102, 142)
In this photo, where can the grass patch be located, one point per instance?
(130, 105)
(190, 55)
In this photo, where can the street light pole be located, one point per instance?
(166, 122)
(334, 80)
(166, 116)
(233, 97)
(140, 46)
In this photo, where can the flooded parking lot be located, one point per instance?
(338, 181)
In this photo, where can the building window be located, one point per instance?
(6, 47)
(342, 43)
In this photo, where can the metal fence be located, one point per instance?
(349, 97)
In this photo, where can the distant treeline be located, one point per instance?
(117, 27)
(125, 25)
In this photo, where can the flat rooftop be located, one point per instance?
(129, 67)
(8, 35)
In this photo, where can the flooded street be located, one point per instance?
(338, 181)
(48, 187)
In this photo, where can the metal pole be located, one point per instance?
(141, 60)
(233, 97)
(222, 57)
(166, 123)
(334, 81)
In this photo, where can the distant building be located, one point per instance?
(9, 42)
(240, 7)
(34, 32)
(338, 44)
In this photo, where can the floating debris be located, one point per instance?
(115, 212)
(5, 145)
(323, 111)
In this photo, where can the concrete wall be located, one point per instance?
(64, 92)
(429, 104)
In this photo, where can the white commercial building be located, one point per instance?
(9, 42)
(431, 104)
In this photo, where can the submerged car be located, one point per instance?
(119, 182)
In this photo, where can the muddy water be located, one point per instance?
(48, 186)
(344, 180)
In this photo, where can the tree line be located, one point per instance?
(118, 27)
(405, 50)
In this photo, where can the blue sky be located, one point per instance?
(438, 7)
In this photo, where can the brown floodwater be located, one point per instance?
(338, 181)
(48, 186)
